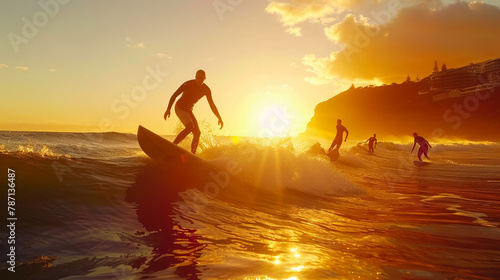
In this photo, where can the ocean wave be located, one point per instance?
(278, 168)
(30, 151)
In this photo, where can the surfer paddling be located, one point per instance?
(192, 91)
(424, 146)
(372, 144)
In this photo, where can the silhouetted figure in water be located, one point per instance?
(337, 142)
(192, 91)
(372, 144)
(424, 146)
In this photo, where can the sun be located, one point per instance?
(276, 112)
(275, 121)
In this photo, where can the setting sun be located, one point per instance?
(276, 113)
(275, 121)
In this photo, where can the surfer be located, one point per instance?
(424, 146)
(338, 138)
(372, 144)
(192, 91)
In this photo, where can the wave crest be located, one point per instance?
(280, 168)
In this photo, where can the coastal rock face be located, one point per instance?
(398, 110)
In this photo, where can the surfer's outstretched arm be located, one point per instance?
(414, 143)
(172, 100)
(346, 134)
(428, 144)
(214, 109)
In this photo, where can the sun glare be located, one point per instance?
(273, 112)
(275, 121)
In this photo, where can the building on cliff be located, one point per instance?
(458, 78)
(467, 80)
(492, 70)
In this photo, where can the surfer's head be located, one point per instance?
(339, 121)
(415, 134)
(200, 76)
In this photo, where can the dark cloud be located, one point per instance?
(387, 45)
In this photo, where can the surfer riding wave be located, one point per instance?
(192, 91)
(337, 142)
(424, 146)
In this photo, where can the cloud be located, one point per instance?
(4, 65)
(137, 46)
(297, 11)
(319, 67)
(346, 32)
(22, 68)
(409, 43)
(163, 55)
(297, 31)
(293, 12)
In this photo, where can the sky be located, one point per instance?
(89, 66)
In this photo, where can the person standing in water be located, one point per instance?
(192, 91)
(372, 144)
(337, 142)
(424, 146)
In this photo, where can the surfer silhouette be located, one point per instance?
(337, 142)
(372, 144)
(192, 91)
(333, 151)
(424, 146)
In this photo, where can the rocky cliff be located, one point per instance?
(398, 110)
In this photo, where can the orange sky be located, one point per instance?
(88, 66)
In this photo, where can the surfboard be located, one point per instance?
(162, 150)
(333, 155)
(421, 163)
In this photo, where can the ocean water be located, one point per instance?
(93, 206)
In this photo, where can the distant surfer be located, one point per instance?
(424, 146)
(337, 142)
(372, 144)
(192, 91)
